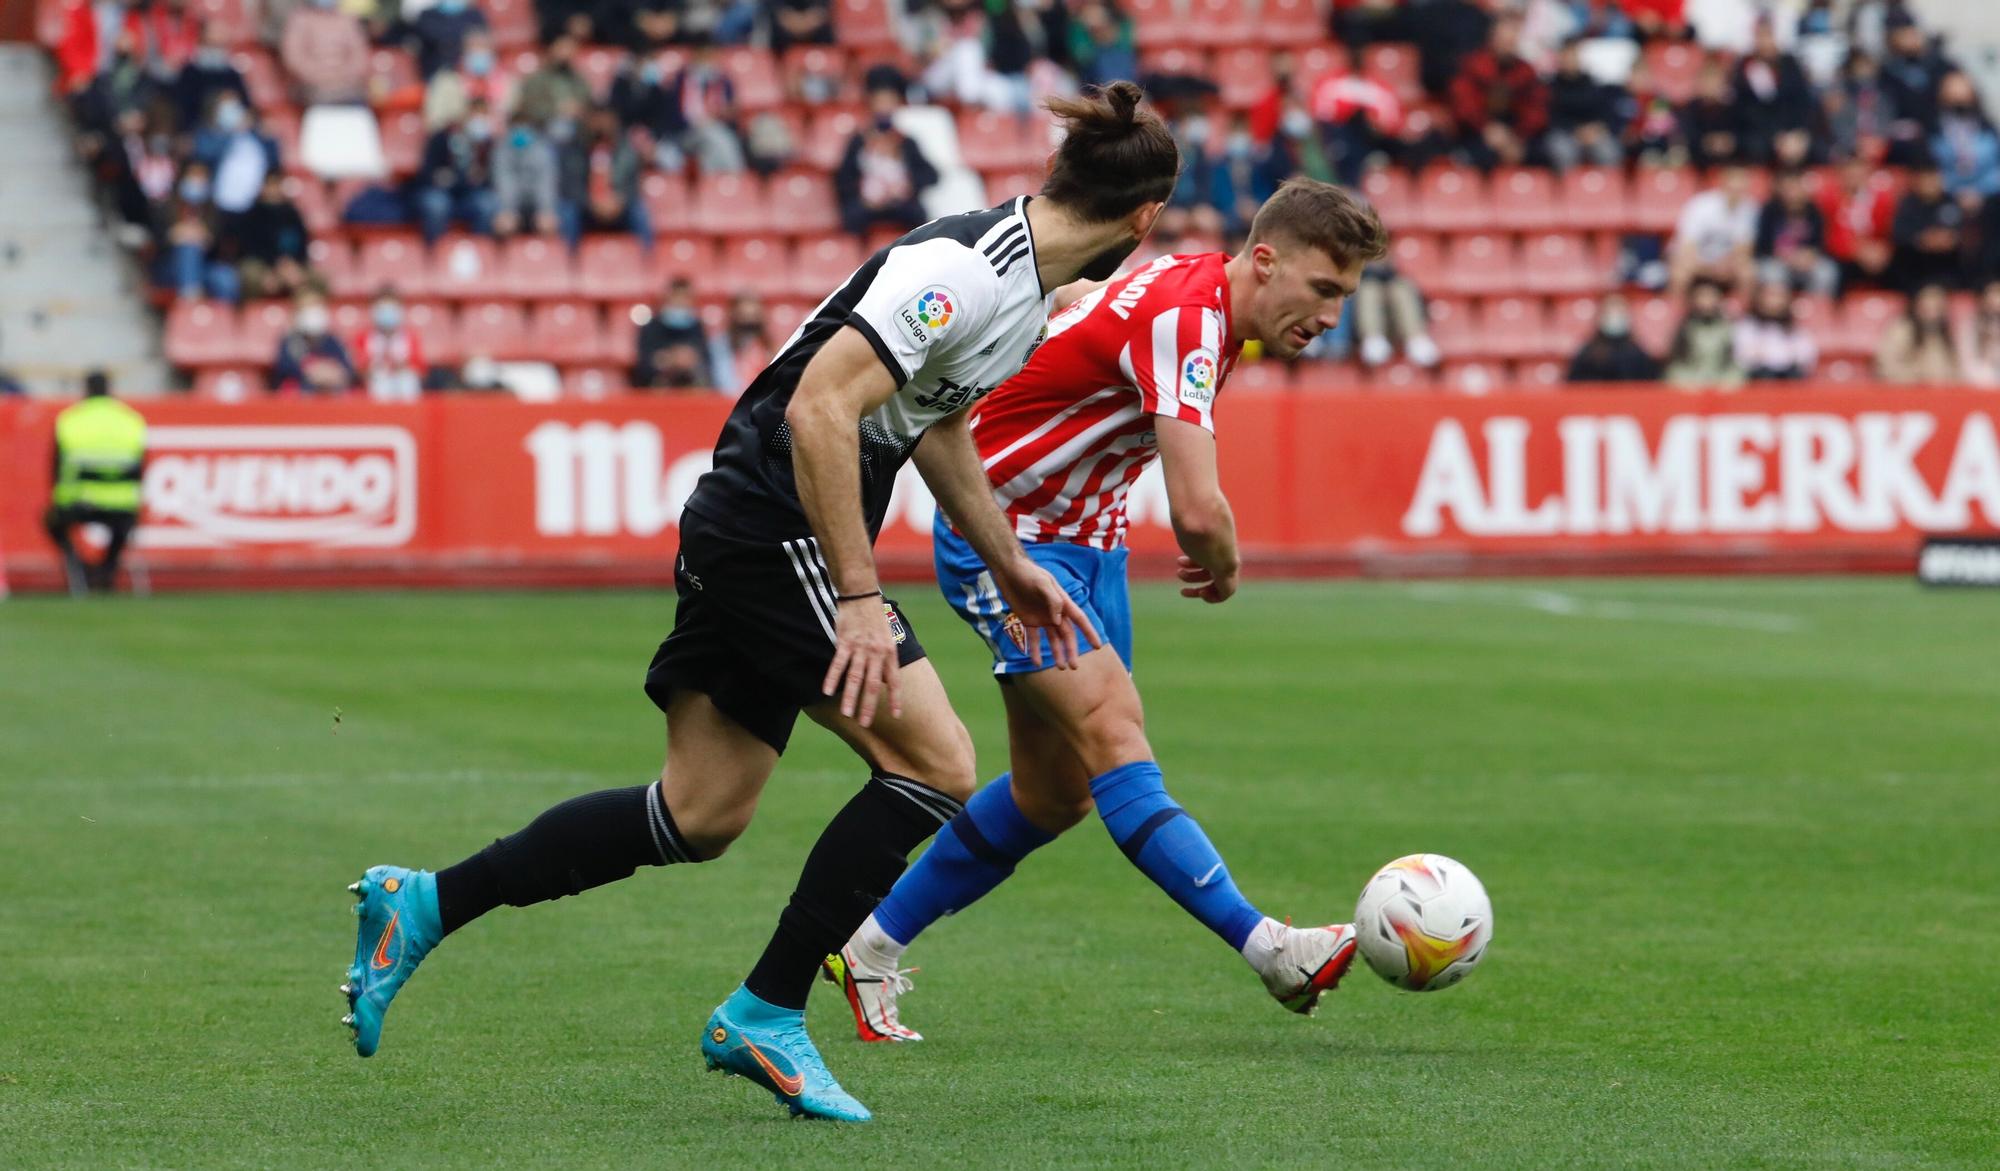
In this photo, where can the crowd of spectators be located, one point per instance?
(1883, 170)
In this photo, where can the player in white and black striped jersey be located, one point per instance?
(781, 610)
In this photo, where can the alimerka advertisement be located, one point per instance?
(478, 490)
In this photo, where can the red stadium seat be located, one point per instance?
(731, 205)
(403, 139)
(393, 72)
(1481, 265)
(316, 207)
(614, 268)
(1658, 194)
(1176, 60)
(1453, 199)
(1264, 375)
(1558, 262)
(1477, 376)
(1160, 22)
(692, 257)
(1395, 66)
(755, 74)
(992, 141)
(1844, 370)
(863, 23)
(1542, 373)
(1866, 315)
(229, 384)
(51, 17)
(599, 67)
(437, 327)
(803, 203)
(231, 15)
(1285, 24)
(259, 327)
(1316, 61)
(590, 383)
(396, 260)
(1390, 191)
(1572, 322)
(566, 333)
(261, 77)
(464, 266)
(1007, 184)
(1222, 23)
(1516, 327)
(759, 264)
(1244, 75)
(818, 64)
(668, 201)
(282, 124)
(495, 329)
(825, 142)
(1524, 200)
(621, 334)
(536, 268)
(513, 22)
(1420, 258)
(204, 333)
(1401, 376)
(1454, 329)
(819, 265)
(1654, 320)
(1673, 66)
(1594, 199)
(333, 258)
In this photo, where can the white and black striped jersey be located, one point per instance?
(953, 309)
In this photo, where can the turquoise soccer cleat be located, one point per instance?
(749, 1037)
(399, 927)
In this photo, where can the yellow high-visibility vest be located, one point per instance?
(101, 444)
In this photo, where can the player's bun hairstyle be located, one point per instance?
(1116, 156)
(1323, 216)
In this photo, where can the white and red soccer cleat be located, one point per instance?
(1305, 962)
(871, 994)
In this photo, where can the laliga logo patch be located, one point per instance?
(895, 624)
(1035, 345)
(1198, 377)
(925, 319)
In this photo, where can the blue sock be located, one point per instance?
(973, 853)
(1162, 840)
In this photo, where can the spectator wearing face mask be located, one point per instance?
(1858, 213)
(748, 341)
(1774, 102)
(697, 118)
(882, 174)
(1917, 348)
(799, 22)
(1583, 114)
(440, 31)
(326, 52)
(554, 88)
(389, 353)
(674, 348)
(192, 263)
(1709, 121)
(207, 76)
(478, 77)
(1913, 70)
(526, 180)
(238, 155)
(455, 182)
(1770, 344)
(1932, 233)
(1965, 146)
(1703, 353)
(600, 181)
(271, 240)
(310, 358)
(1610, 354)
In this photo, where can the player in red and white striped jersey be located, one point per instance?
(1129, 374)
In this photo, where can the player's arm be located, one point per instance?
(1203, 522)
(845, 381)
(1073, 292)
(948, 460)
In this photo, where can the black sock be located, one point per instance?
(857, 859)
(584, 842)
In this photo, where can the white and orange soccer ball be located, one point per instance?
(1423, 922)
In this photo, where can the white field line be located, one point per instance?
(1571, 606)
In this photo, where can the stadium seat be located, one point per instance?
(1007, 184)
(783, 317)
(437, 326)
(668, 201)
(1572, 322)
(825, 141)
(1658, 194)
(599, 67)
(349, 318)
(1594, 199)
(536, 268)
(1266, 375)
(621, 334)
(495, 329)
(1559, 262)
(1316, 61)
(731, 205)
(1865, 315)
(992, 141)
(755, 74)
(512, 21)
(403, 139)
(566, 333)
(863, 24)
(821, 263)
(1396, 67)
(818, 64)
(464, 266)
(316, 206)
(1843, 370)
(592, 382)
(228, 384)
(1475, 376)
(262, 78)
(1654, 320)
(1158, 23)
(393, 78)
(258, 329)
(1674, 66)
(282, 124)
(1516, 327)
(1176, 60)
(1453, 199)
(759, 264)
(1244, 75)
(1481, 265)
(1418, 257)
(1453, 327)
(233, 16)
(1524, 200)
(802, 203)
(1541, 373)
(692, 257)
(393, 260)
(1401, 376)
(1287, 24)
(1393, 196)
(1223, 23)
(613, 267)
(333, 258)
(203, 333)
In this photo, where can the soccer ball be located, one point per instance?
(1423, 922)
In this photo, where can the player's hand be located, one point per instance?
(1042, 605)
(864, 670)
(1197, 582)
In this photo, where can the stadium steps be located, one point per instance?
(69, 300)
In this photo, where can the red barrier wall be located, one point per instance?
(459, 490)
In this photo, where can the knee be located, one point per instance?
(709, 828)
(1109, 736)
(950, 766)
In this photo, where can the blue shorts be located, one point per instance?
(1094, 577)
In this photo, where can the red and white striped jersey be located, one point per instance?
(1064, 440)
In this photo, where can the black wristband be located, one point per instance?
(857, 597)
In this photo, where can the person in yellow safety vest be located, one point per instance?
(100, 452)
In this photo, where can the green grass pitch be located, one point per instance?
(1742, 837)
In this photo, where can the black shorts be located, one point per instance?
(754, 628)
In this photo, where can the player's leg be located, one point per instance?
(1047, 792)
(708, 789)
(921, 770)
